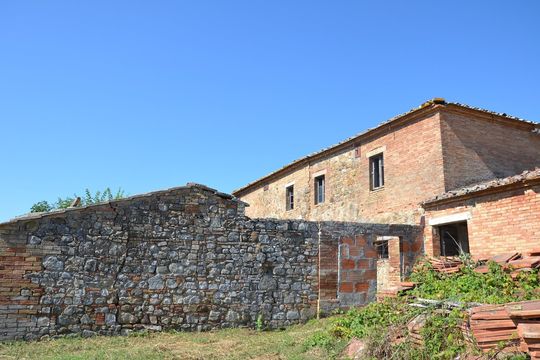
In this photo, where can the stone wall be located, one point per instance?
(501, 221)
(185, 258)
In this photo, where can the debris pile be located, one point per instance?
(514, 261)
(511, 327)
(515, 325)
(403, 286)
(530, 339)
(447, 265)
(490, 325)
(415, 326)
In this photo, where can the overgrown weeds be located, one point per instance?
(494, 287)
(383, 325)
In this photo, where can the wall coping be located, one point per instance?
(188, 186)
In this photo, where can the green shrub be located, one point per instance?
(359, 322)
(87, 199)
(381, 324)
(495, 287)
(443, 338)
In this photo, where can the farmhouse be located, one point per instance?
(331, 230)
(460, 172)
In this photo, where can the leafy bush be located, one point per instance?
(87, 199)
(41, 206)
(494, 287)
(360, 322)
(443, 338)
(382, 325)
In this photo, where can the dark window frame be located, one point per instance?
(453, 237)
(289, 197)
(382, 247)
(320, 189)
(376, 172)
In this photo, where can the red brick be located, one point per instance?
(346, 287)
(361, 287)
(347, 264)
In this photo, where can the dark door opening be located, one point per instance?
(454, 239)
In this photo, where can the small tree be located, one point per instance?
(42, 206)
(88, 199)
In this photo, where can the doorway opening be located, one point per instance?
(454, 238)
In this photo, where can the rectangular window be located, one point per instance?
(454, 239)
(289, 197)
(376, 167)
(382, 249)
(319, 189)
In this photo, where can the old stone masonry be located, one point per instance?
(185, 258)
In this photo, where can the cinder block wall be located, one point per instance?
(349, 260)
(505, 221)
(183, 259)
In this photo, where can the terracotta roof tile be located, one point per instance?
(432, 102)
(527, 175)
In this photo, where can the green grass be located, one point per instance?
(222, 344)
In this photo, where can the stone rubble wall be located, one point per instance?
(185, 258)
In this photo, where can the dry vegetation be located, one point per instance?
(224, 344)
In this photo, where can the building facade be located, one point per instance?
(494, 217)
(384, 174)
(331, 230)
(392, 173)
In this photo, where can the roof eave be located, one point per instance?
(353, 141)
(482, 192)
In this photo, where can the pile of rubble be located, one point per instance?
(515, 262)
(512, 327)
(508, 327)
(447, 265)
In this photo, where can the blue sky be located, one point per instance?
(154, 94)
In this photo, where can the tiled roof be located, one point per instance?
(430, 103)
(524, 177)
(39, 215)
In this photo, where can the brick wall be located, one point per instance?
(477, 148)
(500, 222)
(185, 259)
(413, 172)
(438, 151)
(19, 296)
(350, 278)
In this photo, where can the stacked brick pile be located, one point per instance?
(515, 262)
(447, 265)
(530, 339)
(515, 325)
